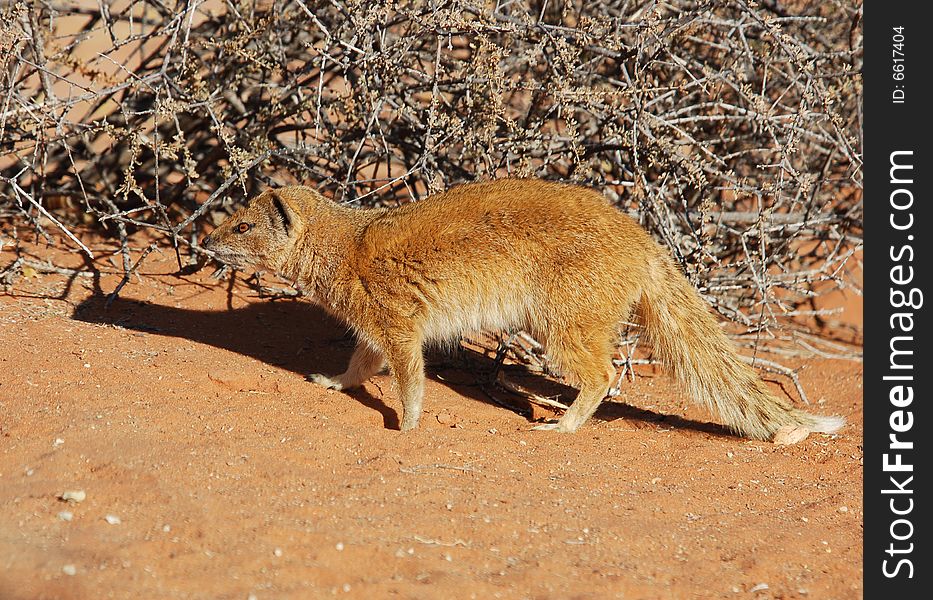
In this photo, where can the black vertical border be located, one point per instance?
(889, 127)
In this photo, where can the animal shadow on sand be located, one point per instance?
(300, 337)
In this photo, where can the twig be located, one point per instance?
(48, 267)
(780, 369)
(419, 468)
(23, 194)
(126, 276)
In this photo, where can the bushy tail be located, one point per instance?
(686, 338)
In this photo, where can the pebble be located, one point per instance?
(112, 519)
(73, 496)
(69, 570)
(790, 434)
(65, 515)
(277, 552)
(339, 546)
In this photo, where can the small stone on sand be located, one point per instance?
(790, 434)
(73, 496)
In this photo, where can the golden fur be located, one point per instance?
(555, 260)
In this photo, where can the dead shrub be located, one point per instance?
(730, 129)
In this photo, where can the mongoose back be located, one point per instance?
(553, 259)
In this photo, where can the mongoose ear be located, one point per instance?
(284, 212)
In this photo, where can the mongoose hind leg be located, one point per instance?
(592, 393)
(365, 362)
(590, 364)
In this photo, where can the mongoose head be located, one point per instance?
(258, 234)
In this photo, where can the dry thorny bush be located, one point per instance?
(730, 129)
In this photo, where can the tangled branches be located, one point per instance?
(731, 129)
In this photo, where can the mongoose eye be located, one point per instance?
(244, 227)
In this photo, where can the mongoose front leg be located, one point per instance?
(406, 360)
(365, 362)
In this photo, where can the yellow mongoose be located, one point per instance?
(553, 259)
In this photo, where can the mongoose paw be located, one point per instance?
(559, 425)
(408, 423)
(325, 381)
(552, 426)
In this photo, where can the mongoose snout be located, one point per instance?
(553, 259)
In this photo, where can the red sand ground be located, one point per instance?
(183, 411)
